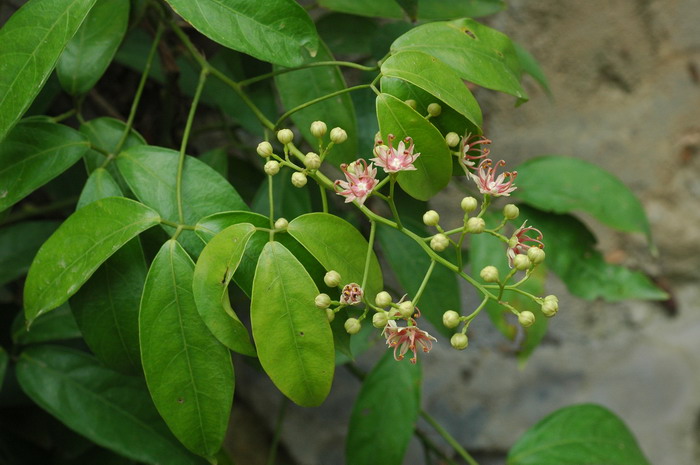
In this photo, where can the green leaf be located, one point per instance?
(435, 77)
(289, 201)
(476, 52)
(427, 9)
(293, 337)
(93, 46)
(338, 246)
(409, 263)
(83, 242)
(274, 31)
(55, 326)
(584, 434)
(346, 34)
(298, 87)
(107, 306)
(217, 159)
(33, 154)
(214, 269)
(387, 407)
(18, 244)
(566, 184)
(133, 53)
(188, 372)
(434, 165)
(410, 7)
(529, 65)
(107, 407)
(30, 43)
(151, 173)
(571, 254)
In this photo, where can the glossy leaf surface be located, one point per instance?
(434, 165)
(107, 407)
(80, 245)
(436, 78)
(188, 372)
(214, 269)
(476, 52)
(151, 173)
(34, 153)
(18, 244)
(278, 31)
(93, 46)
(388, 401)
(578, 435)
(30, 43)
(338, 246)
(427, 9)
(58, 325)
(293, 337)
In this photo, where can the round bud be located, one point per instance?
(550, 308)
(272, 167)
(450, 319)
(489, 274)
(383, 299)
(431, 218)
(312, 161)
(264, 149)
(536, 255)
(330, 314)
(526, 318)
(332, 279)
(511, 211)
(352, 326)
(459, 341)
(406, 309)
(281, 223)
(322, 301)
(439, 242)
(476, 225)
(318, 129)
(469, 204)
(411, 103)
(380, 319)
(434, 109)
(298, 179)
(285, 136)
(552, 297)
(338, 135)
(521, 262)
(452, 139)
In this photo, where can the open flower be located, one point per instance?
(487, 181)
(351, 294)
(395, 160)
(361, 179)
(471, 150)
(520, 242)
(405, 338)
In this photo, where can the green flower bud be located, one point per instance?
(489, 274)
(380, 319)
(298, 179)
(526, 318)
(281, 223)
(406, 309)
(264, 149)
(452, 139)
(285, 136)
(338, 135)
(450, 319)
(322, 300)
(431, 218)
(536, 255)
(318, 129)
(476, 225)
(511, 211)
(552, 297)
(312, 161)
(439, 242)
(521, 262)
(330, 314)
(411, 103)
(272, 167)
(383, 299)
(434, 109)
(469, 204)
(550, 308)
(459, 341)
(352, 326)
(332, 279)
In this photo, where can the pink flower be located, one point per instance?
(488, 183)
(360, 181)
(518, 242)
(405, 338)
(351, 294)
(397, 160)
(469, 144)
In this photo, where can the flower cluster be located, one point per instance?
(360, 180)
(487, 181)
(351, 294)
(395, 160)
(518, 243)
(472, 150)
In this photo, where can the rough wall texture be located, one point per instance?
(626, 82)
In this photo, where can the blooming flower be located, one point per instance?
(488, 183)
(395, 160)
(351, 294)
(405, 338)
(361, 179)
(470, 152)
(518, 243)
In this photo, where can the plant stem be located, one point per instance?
(271, 203)
(278, 431)
(424, 283)
(63, 116)
(348, 64)
(324, 198)
(183, 146)
(448, 437)
(316, 100)
(428, 444)
(392, 205)
(370, 248)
